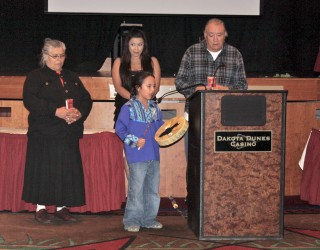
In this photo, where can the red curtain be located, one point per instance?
(102, 156)
(310, 182)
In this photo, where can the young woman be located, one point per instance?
(137, 124)
(135, 58)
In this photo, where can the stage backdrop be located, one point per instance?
(283, 39)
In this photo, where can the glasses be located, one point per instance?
(62, 56)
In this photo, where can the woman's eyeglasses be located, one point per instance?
(62, 56)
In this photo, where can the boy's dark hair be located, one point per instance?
(138, 80)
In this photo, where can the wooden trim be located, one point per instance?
(299, 89)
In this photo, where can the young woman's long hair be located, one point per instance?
(125, 65)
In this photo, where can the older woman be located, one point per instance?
(58, 105)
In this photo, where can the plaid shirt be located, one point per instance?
(197, 64)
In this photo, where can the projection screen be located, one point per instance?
(161, 7)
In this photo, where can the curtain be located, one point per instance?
(283, 39)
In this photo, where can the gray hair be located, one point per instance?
(47, 46)
(216, 21)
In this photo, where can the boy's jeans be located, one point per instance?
(143, 194)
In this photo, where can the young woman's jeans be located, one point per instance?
(143, 194)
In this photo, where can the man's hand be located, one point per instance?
(201, 88)
(220, 87)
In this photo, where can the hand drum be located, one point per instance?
(171, 131)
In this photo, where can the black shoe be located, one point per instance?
(42, 216)
(65, 215)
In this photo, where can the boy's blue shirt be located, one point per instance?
(136, 122)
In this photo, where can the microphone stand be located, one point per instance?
(220, 66)
(177, 91)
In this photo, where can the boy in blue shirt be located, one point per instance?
(137, 124)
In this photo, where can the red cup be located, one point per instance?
(211, 82)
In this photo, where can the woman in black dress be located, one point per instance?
(58, 105)
(135, 58)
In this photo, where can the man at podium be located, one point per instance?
(211, 62)
(211, 59)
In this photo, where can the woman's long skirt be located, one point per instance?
(54, 172)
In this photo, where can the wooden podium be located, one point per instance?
(235, 175)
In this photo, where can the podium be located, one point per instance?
(235, 174)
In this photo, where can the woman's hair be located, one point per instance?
(125, 65)
(138, 80)
(47, 46)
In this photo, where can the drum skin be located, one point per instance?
(171, 131)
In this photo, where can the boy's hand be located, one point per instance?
(140, 143)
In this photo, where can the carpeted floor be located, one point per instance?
(105, 231)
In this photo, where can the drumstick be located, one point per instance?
(176, 207)
(173, 202)
(148, 125)
(145, 132)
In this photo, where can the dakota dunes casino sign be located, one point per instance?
(243, 141)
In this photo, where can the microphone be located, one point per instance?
(177, 91)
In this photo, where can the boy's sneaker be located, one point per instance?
(157, 225)
(133, 229)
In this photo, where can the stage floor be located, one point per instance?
(21, 231)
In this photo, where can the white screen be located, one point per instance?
(189, 7)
